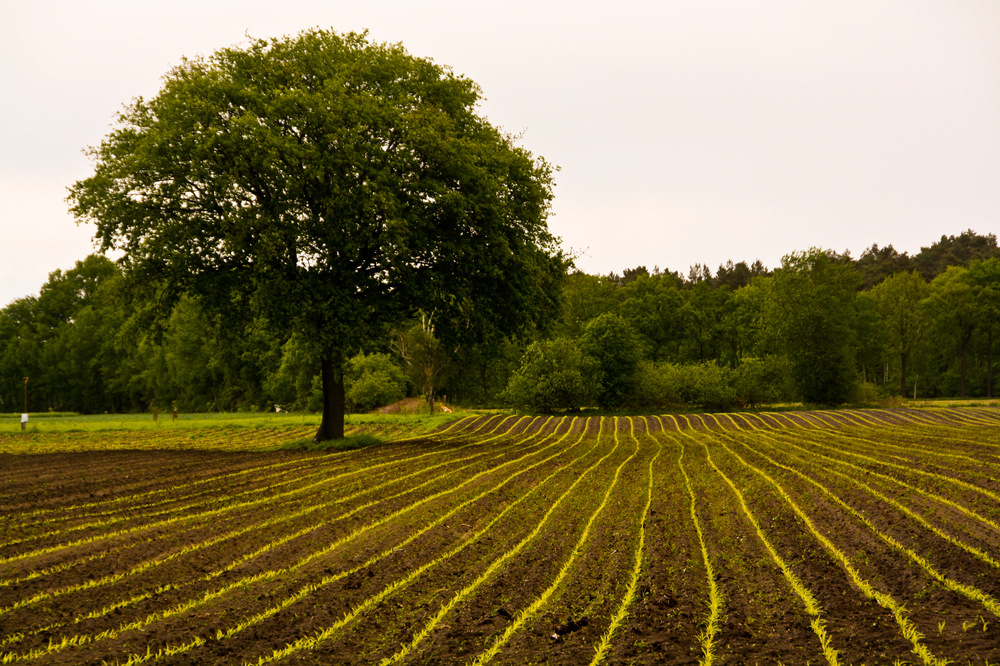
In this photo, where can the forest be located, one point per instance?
(823, 328)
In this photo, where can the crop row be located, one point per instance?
(863, 536)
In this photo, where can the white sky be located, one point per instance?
(686, 131)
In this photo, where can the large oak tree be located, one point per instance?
(334, 187)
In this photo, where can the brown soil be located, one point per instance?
(122, 552)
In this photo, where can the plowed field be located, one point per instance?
(848, 537)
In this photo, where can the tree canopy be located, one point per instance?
(811, 312)
(898, 300)
(332, 187)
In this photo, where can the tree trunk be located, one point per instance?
(961, 379)
(429, 394)
(989, 363)
(332, 375)
(902, 374)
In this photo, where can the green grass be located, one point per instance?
(45, 423)
(950, 402)
(68, 422)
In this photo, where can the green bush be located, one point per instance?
(550, 378)
(712, 385)
(764, 380)
(615, 351)
(868, 394)
(658, 385)
(707, 384)
(373, 381)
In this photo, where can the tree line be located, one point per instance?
(823, 328)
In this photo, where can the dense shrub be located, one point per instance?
(707, 384)
(615, 350)
(550, 377)
(372, 381)
(711, 385)
(657, 385)
(868, 394)
(764, 380)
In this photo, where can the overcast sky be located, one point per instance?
(686, 131)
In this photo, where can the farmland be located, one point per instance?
(839, 537)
